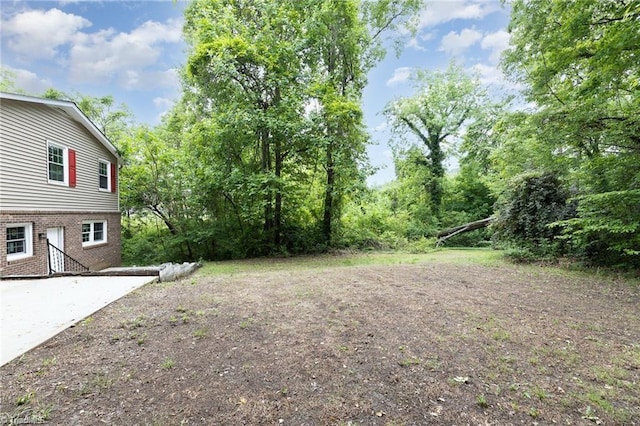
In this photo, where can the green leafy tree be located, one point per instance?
(278, 88)
(7, 80)
(245, 66)
(113, 121)
(444, 103)
(346, 39)
(579, 63)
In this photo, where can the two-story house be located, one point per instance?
(58, 186)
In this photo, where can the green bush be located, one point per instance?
(423, 245)
(606, 231)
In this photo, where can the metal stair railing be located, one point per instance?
(59, 258)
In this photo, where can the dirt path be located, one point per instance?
(417, 344)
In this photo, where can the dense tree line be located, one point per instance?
(265, 152)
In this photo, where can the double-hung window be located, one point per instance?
(19, 241)
(61, 165)
(94, 232)
(57, 163)
(104, 175)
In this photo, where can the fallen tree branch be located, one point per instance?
(471, 226)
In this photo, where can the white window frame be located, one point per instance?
(92, 241)
(65, 164)
(108, 164)
(28, 244)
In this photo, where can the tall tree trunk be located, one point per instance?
(329, 195)
(437, 169)
(266, 168)
(277, 216)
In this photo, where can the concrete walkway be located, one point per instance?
(33, 311)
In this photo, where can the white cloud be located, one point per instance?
(493, 77)
(153, 32)
(415, 44)
(456, 43)
(39, 34)
(105, 55)
(496, 42)
(131, 59)
(381, 127)
(400, 75)
(489, 74)
(163, 103)
(438, 12)
(28, 81)
(146, 80)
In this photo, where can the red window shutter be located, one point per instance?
(72, 168)
(114, 178)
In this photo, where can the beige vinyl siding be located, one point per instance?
(24, 132)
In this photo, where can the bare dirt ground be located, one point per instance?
(403, 344)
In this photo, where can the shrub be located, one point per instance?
(606, 231)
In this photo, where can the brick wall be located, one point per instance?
(95, 257)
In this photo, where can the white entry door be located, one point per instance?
(56, 238)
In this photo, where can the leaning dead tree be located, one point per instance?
(448, 233)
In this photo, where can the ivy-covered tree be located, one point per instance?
(527, 210)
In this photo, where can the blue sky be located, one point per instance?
(133, 50)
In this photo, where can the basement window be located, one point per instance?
(19, 241)
(94, 232)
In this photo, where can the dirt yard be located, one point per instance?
(427, 342)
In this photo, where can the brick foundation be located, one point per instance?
(95, 257)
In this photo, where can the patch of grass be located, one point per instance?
(540, 393)
(137, 322)
(599, 400)
(141, 339)
(482, 256)
(501, 335)
(46, 365)
(168, 364)
(244, 324)
(102, 381)
(432, 363)
(200, 333)
(630, 358)
(41, 414)
(481, 400)
(34, 414)
(87, 321)
(611, 375)
(408, 362)
(533, 412)
(48, 362)
(25, 399)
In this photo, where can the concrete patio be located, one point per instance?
(34, 310)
